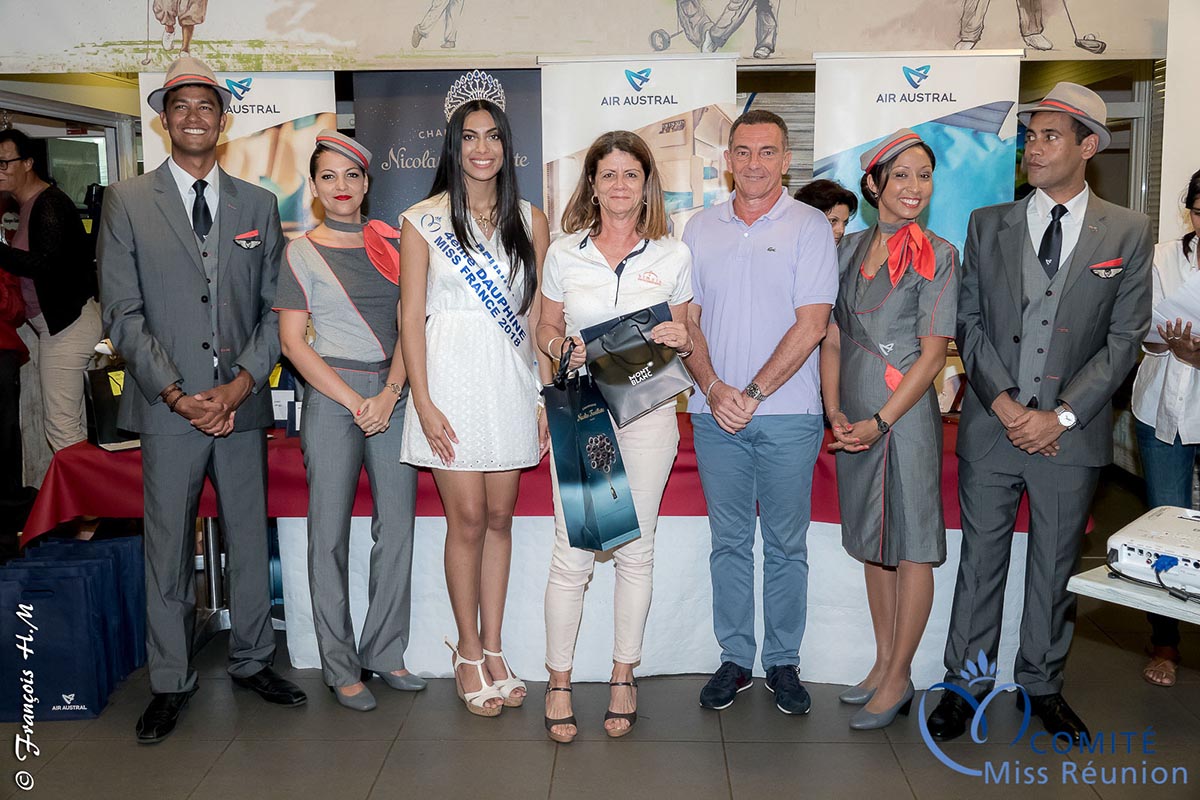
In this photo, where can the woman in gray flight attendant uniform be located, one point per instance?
(344, 275)
(894, 317)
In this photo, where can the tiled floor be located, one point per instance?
(231, 745)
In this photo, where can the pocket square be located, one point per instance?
(1108, 269)
(248, 240)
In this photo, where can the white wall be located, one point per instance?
(1181, 121)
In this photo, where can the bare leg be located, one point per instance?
(465, 499)
(881, 598)
(188, 30)
(621, 699)
(558, 704)
(914, 599)
(501, 498)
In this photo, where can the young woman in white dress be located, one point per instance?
(471, 260)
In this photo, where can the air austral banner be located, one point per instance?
(270, 133)
(963, 104)
(681, 106)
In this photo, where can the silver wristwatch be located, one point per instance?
(1066, 417)
(754, 393)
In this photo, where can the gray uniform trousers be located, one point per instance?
(990, 490)
(174, 468)
(335, 450)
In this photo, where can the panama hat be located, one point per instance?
(188, 71)
(1077, 101)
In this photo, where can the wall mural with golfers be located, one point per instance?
(268, 35)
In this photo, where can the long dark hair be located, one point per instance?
(1193, 194)
(515, 238)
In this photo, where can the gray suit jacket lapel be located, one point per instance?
(230, 219)
(166, 196)
(1089, 239)
(1013, 233)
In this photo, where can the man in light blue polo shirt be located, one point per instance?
(764, 277)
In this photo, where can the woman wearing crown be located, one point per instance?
(472, 257)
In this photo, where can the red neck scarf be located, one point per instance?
(909, 245)
(383, 254)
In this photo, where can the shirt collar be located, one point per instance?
(725, 211)
(1076, 206)
(185, 181)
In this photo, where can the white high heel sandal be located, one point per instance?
(509, 683)
(474, 701)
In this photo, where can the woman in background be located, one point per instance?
(1166, 395)
(836, 202)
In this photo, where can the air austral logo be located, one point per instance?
(916, 75)
(638, 78)
(1099, 758)
(241, 88)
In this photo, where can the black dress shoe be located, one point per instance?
(1055, 715)
(273, 688)
(158, 720)
(950, 717)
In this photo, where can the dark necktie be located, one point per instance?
(1051, 249)
(201, 218)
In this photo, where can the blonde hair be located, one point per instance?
(583, 214)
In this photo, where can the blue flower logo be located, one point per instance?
(979, 672)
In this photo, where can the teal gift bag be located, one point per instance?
(596, 501)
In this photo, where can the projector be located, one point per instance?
(1168, 532)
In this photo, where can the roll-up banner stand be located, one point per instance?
(962, 104)
(270, 133)
(682, 106)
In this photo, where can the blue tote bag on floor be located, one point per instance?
(596, 501)
(54, 675)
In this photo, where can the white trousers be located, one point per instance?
(648, 448)
(62, 361)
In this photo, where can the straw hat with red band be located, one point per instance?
(188, 71)
(1077, 101)
(343, 145)
(890, 147)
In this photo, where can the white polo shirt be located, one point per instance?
(576, 274)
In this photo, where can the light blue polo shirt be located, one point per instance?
(749, 280)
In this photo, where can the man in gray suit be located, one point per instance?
(1055, 302)
(189, 258)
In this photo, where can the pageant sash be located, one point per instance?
(480, 271)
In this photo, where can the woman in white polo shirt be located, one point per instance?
(614, 258)
(1166, 394)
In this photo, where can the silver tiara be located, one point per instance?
(474, 85)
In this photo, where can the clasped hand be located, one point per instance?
(1028, 429)
(852, 438)
(212, 411)
(374, 414)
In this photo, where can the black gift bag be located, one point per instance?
(592, 487)
(634, 373)
(104, 387)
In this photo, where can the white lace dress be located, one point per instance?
(485, 385)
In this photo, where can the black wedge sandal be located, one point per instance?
(561, 738)
(631, 716)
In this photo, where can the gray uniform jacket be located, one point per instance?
(156, 296)
(1103, 315)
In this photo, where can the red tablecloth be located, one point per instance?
(84, 480)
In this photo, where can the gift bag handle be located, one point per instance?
(617, 357)
(564, 358)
